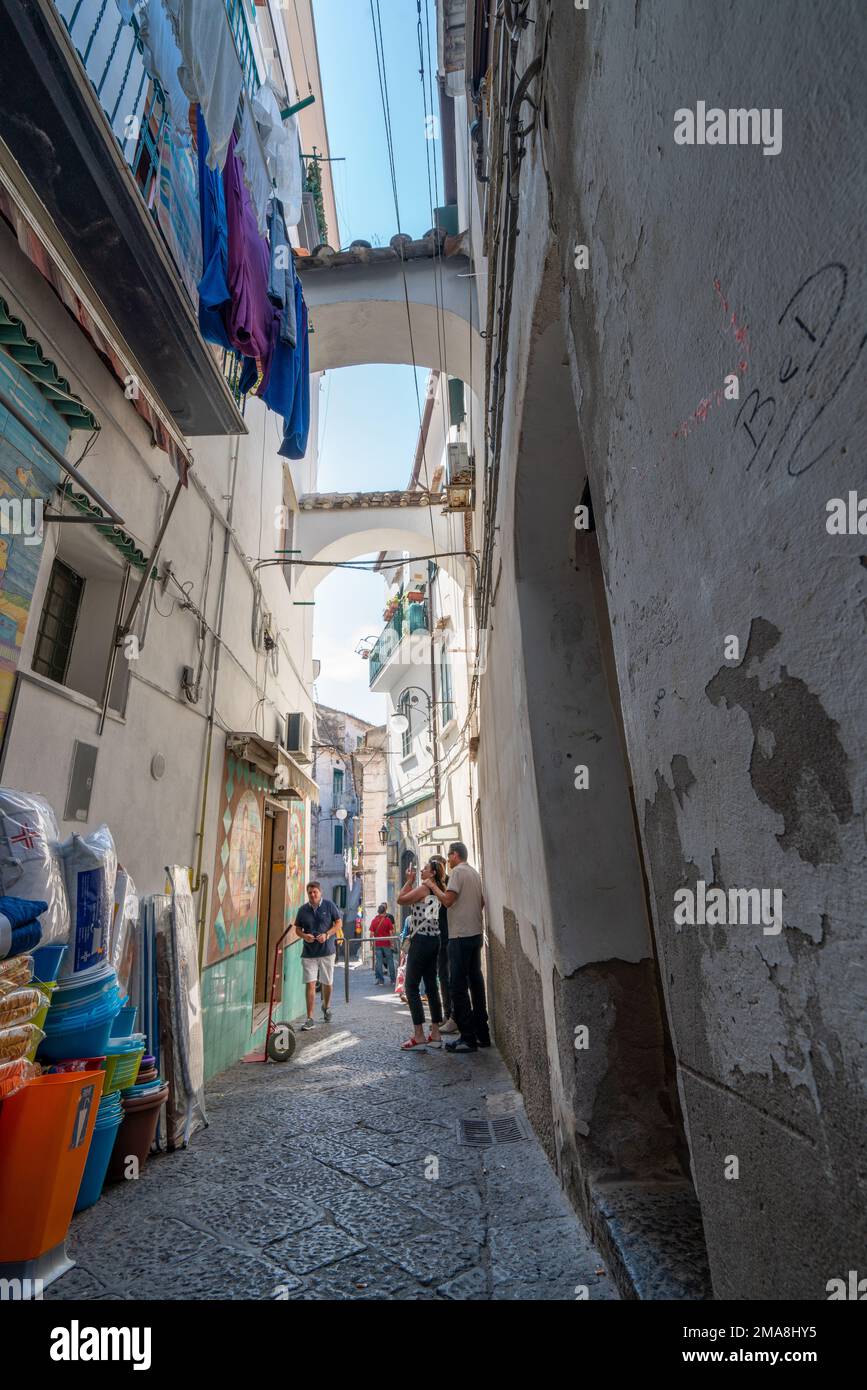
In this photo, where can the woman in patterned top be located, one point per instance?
(424, 947)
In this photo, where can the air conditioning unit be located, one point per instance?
(298, 741)
(459, 461)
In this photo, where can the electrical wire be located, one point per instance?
(303, 50)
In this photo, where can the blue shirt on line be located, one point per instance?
(316, 921)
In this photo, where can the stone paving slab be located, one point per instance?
(341, 1175)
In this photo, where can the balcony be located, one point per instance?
(402, 646)
(90, 133)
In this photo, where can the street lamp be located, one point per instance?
(341, 814)
(400, 722)
(383, 834)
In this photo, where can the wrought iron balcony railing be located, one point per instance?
(111, 50)
(407, 619)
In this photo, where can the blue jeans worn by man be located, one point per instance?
(384, 957)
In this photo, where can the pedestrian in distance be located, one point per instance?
(424, 947)
(464, 901)
(383, 931)
(443, 960)
(319, 924)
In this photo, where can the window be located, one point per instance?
(75, 636)
(446, 701)
(57, 624)
(338, 838)
(286, 538)
(405, 708)
(339, 895)
(337, 783)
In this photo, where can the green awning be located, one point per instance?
(55, 388)
(119, 538)
(408, 805)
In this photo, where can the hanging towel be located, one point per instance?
(296, 425)
(213, 287)
(162, 59)
(281, 280)
(282, 154)
(256, 176)
(251, 320)
(211, 71)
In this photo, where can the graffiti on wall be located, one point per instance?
(26, 472)
(296, 857)
(235, 901)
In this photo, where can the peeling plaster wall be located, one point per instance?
(748, 772)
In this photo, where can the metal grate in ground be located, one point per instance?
(504, 1129)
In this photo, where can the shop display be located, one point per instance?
(90, 870)
(30, 861)
(78, 971)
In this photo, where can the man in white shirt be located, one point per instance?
(465, 902)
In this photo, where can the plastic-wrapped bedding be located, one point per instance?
(90, 867)
(123, 930)
(30, 860)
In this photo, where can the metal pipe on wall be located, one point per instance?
(200, 881)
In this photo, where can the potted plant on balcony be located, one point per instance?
(390, 609)
(415, 596)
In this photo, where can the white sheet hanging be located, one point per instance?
(211, 70)
(282, 154)
(256, 176)
(162, 59)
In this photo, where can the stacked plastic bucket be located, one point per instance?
(141, 1111)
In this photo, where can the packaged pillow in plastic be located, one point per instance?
(90, 869)
(20, 1005)
(14, 1075)
(15, 972)
(16, 1042)
(30, 861)
(123, 928)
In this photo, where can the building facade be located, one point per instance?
(155, 677)
(670, 700)
(336, 850)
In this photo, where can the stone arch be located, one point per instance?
(358, 311)
(332, 537)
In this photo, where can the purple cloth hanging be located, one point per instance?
(251, 319)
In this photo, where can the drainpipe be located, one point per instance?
(434, 716)
(200, 880)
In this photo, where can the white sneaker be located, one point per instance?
(449, 1026)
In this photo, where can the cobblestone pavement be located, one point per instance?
(311, 1182)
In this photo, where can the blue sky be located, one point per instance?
(369, 415)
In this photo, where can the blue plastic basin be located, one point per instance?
(46, 963)
(79, 1032)
(108, 1120)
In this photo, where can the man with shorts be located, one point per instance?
(318, 924)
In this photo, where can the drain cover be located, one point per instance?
(506, 1129)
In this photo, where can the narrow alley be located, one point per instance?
(432, 559)
(341, 1175)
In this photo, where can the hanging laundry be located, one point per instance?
(282, 152)
(211, 71)
(296, 425)
(177, 206)
(251, 319)
(214, 286)
(280, 391)
(281, 280)
(162, 59)
(256, 177)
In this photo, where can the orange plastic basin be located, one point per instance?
(45, 1134)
